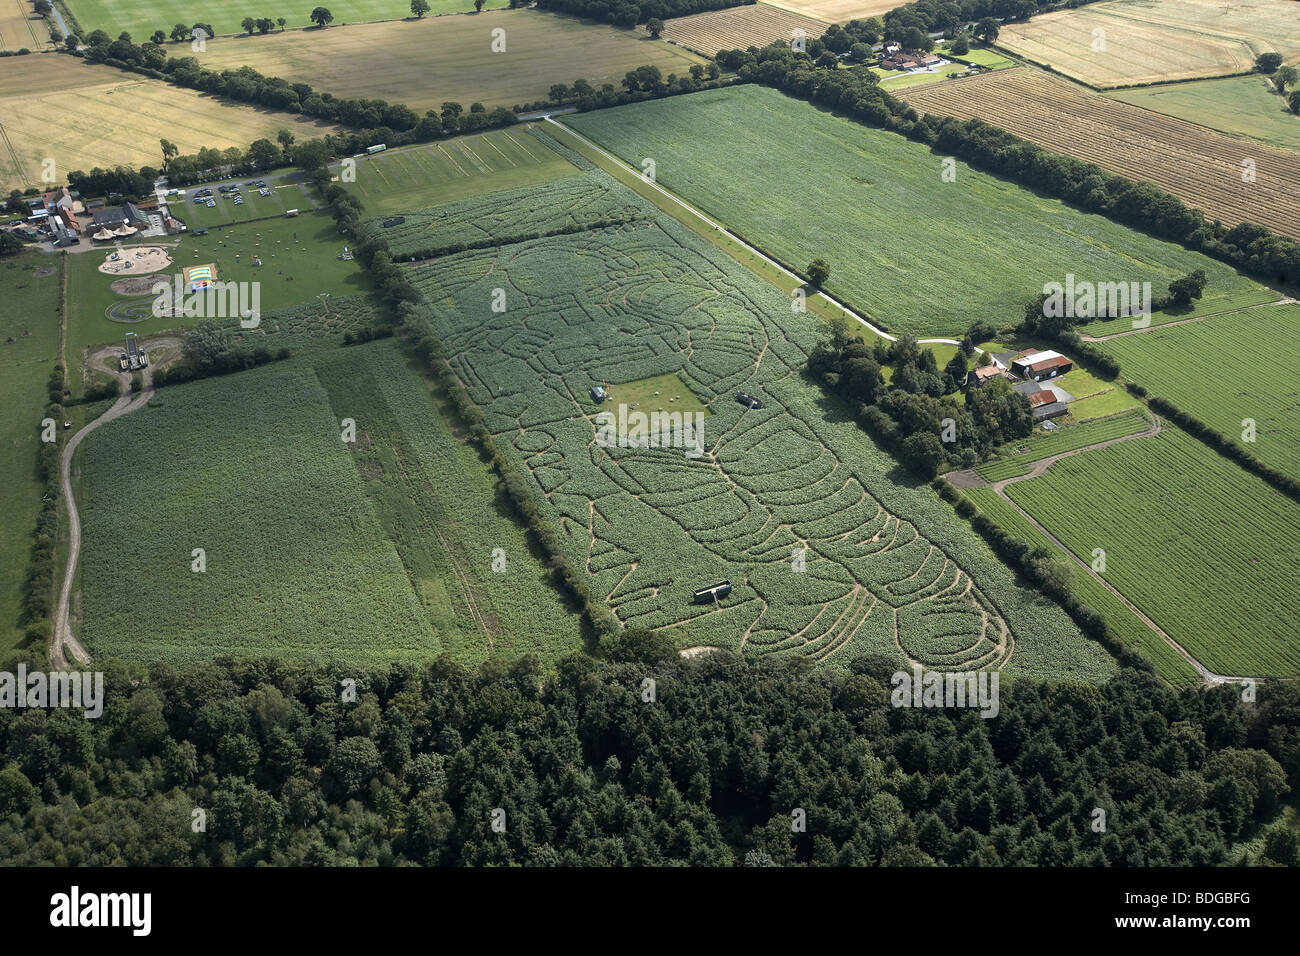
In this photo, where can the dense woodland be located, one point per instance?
(588, 770)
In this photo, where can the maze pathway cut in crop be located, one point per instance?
(651, 525)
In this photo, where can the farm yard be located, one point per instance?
(1190, 538)
(720, 149)
(416, 178)
(1199, 166)
(1237, 105)
(1155, 41)
(120, 119)
(1251, 372)
(541, 51)
(739, 27)
(141, 17)
(650, 526)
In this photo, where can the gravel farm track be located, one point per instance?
(64, 641)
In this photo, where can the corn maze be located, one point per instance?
(579, 201)
(791, 485)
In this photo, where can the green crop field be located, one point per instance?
(1190, 538)
(1226, 370)
(423, 64)
(917, 253)
(29, 328)
(651, 525)
(397, 181)
(1019, 455)
(1216, 299)
(299, 263)
(140, 18)
(1130, 628)
(315, 548)
(1238, 105)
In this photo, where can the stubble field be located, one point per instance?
(1201, 167)
(426, 63)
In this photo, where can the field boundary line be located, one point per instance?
(1285, 300)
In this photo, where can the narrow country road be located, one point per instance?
(64, 642)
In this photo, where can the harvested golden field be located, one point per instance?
(1203, 168)
(838, 11)
(20, 27)
(1128, 42)
(82, 115)
(427, 62)
(738, 28)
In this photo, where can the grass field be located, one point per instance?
(20, 27)
(29, 326)
(399, 181)
(728, 152)
(1201, 167)
(1190, 538)
(1171, 665)
(1238, 105)
(1249, 372)
(650, 525)
(541, 49)
(1023, 452)
(119, 119)
(980, 57)
(739, 28)
(293, 272)
(837, 11)
(1151, 41)
(141, 17)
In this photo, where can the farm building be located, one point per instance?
(115, 217)
(1044, 404)
(1040, 365)
(714, 593)
(748, 400)
(984, 374)
(597, 393)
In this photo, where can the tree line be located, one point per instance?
(628, 15)
(409, 314)
(917, 415)
(512, 763)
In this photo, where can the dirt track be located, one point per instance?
(1039, 468)
(63, 637)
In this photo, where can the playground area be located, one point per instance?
(136, 261)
